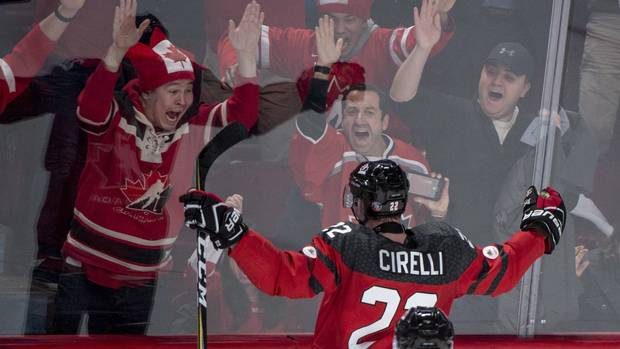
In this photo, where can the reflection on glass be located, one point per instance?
(456, 98)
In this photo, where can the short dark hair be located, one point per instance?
(154, 23)
(383, 102)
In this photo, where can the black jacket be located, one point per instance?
(462, 144)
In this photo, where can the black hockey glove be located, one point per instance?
(544, 213)
(206, 212)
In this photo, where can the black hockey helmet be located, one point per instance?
(424, 328)
(381, 187)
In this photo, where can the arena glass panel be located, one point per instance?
(589, 294)
(43, 156)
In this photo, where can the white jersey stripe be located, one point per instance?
(410, 164)
(393, 53)
(225, 113)
(8, 75)
(121, 236)
(209, 125)
(264, 61)
(313, 141)
(113, 110)
(403, 42)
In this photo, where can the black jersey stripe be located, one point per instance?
(330, 265)
(504, 258)
(122, 251)
(481, 276)
(314, 284)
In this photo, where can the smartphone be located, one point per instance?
(425, 186)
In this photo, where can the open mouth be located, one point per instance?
(173, 116)
(495, 96)
(361, 134)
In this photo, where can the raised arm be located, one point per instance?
(28, 56)
(242, 106)
(273, 271)
(328, 51)
(500, 267)
(96, 104)
(55, 24)
(427, 34)
(244, 38)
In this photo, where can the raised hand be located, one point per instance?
(427, 24)
(72, 6)
(235, 201)
(545, 214)
(221, 220)
(125, 33)
(328, 51)
(244, 37)
(581, 260)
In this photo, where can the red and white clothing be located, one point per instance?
(126, 215)
(281, 14)
(19, 67)
(370, 281)
(288, 52)
(321, 168)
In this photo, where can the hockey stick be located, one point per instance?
(224, 140)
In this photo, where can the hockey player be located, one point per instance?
(424, 328)
(372, 272)
(142, 146)
(18, 67)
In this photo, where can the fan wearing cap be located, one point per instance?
(474, 142)
(289, 51)
(142, 145)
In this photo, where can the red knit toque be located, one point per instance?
(160, 64)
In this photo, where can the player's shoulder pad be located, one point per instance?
(440, 236)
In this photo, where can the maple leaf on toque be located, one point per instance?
(175, 55)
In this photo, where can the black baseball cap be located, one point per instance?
(513, 55)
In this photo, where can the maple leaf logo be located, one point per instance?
(176, 55)
(149, 193)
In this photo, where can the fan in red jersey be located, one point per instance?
(289, 51)
(370, 274)
(142, 145)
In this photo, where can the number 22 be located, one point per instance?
(392, 299)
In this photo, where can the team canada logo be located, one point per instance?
(149, 193)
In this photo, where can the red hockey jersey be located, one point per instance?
(369, 281)
(126, 214)
(18, 67)
(287, 52)
(321, 169)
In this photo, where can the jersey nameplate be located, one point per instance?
(411, 262)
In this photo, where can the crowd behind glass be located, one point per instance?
(471, 116)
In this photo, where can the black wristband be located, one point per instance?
(61, 17)
(322, 69)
